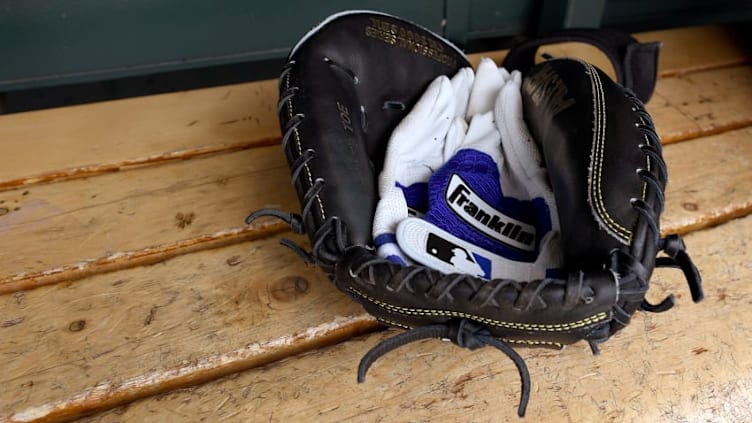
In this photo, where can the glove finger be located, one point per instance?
(419, 137)
(488, 82)
(455, 137)
(525, 165)
(462, 83)
(416, 146)
(415, 150)
(482, 135)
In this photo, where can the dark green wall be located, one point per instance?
(117, 43)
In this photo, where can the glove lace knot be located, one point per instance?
(328, 242)
(462, 332)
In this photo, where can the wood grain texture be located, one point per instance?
(702, 103)
(191, 205)
(710, 181)
(71, 348)
(91, 139)
(698, 48)
(691, 364)
(107, 220)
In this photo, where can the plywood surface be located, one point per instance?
(130, 284)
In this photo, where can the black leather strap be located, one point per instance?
(636, 63)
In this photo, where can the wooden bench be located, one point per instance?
(131, 288)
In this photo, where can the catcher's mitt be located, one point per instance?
(353, 78)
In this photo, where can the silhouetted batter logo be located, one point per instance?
(464, 260)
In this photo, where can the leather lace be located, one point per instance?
(672, 244)
(330, 241)
(463, 332)
(633, 280)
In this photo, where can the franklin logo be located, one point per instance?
(471, 208)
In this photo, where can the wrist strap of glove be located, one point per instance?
(635, 63)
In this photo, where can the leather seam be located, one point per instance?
(558, 345)
(298, 144)
(531, 342)
(558, 327)
(597, 156)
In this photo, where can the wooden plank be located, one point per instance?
(702, 103)
(41, 324)
(693, 363)
(684, 50)
(699, 48)
(710, 181)
(106, 137)
(189, 205)
(109, 339)
(173, 208)
(109, 136)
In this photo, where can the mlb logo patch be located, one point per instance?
(453, 254)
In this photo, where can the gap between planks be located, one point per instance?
(98, 169)
(697, 190)
(692, 363)
(115, 337)
(145, 256)
(326, 366)
(107, 395)
(729, 51)
(87, 171)
(723, 155)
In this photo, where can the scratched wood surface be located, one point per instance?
(173, 212)
(200, 200)
(115, 135)
(136, 330)
(106, 137)
(693, 364)
(130, 228)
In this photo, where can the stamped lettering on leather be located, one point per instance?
(344, 117)
(546, 87)
(397, 35)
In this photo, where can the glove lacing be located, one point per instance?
(672, 244)
(462, 332)
(633, 280)
(330, 241)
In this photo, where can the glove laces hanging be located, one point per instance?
(462, 332)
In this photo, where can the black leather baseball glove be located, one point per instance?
(353, 78)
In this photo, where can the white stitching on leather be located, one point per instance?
(296, 133)
(536, 327)
(647, 164)
(595, 187)
(533, 342)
